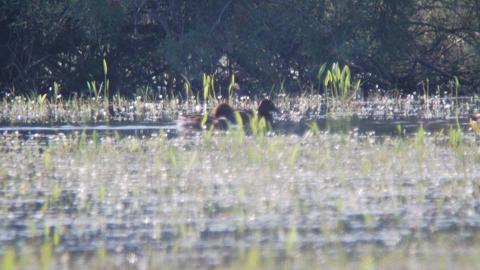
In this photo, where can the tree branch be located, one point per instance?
(219, 18)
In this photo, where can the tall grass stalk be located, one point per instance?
(106, 81)
(420, 143)
(231, 86)
(187, 86)
(321, 71)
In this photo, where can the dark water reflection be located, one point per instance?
(373, 127)
(339, 125)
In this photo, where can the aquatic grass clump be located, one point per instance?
(455, 137)
(339, 86)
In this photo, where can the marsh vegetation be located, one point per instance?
(338, 182)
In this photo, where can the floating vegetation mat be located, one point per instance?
(226, 200)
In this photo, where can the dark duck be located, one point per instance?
(220, 118)
(223, 116)
(264, 110)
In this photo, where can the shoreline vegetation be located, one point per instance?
(342, 97)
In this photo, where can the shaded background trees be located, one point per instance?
(156, 44)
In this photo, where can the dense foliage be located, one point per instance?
(268, 44)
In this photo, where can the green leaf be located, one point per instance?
(321, 70)
(206, 86)
(204, 120)
(238, 119)
(8, 261)
(105, 67)
(56, 88)
(187, 85)
(327, 79)
(232, 85)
